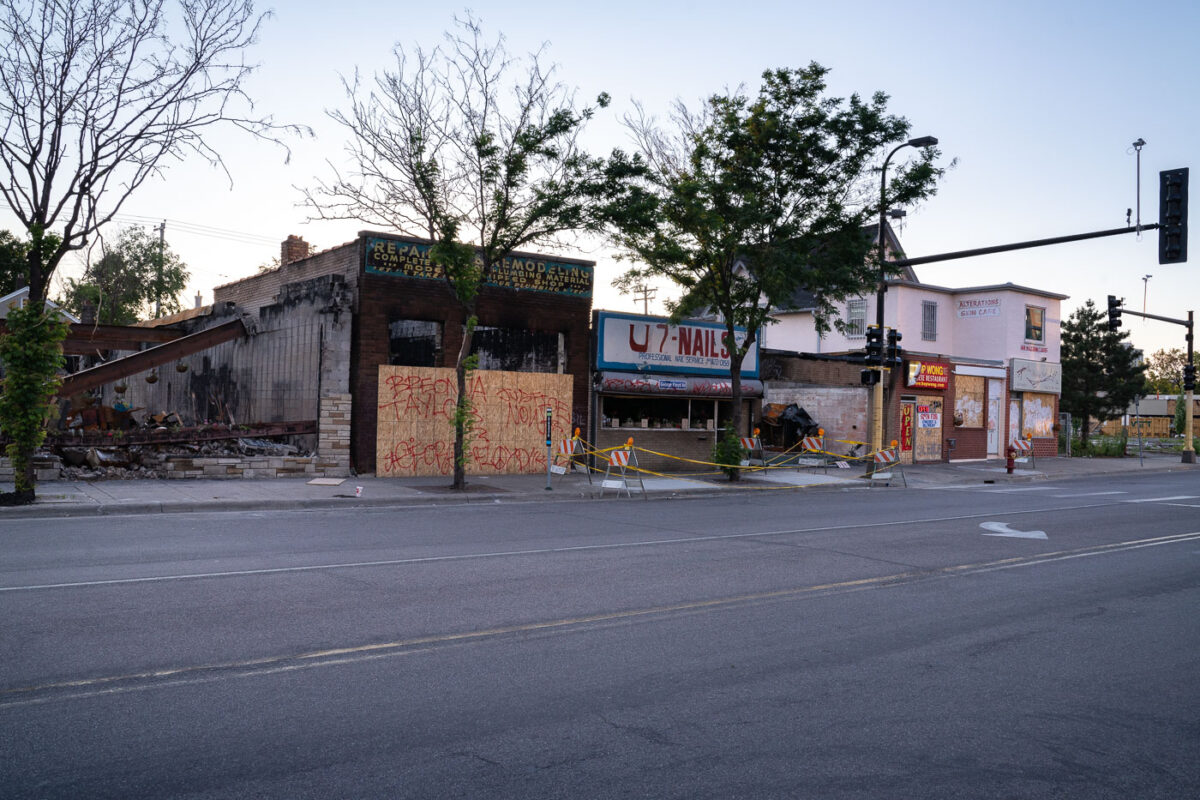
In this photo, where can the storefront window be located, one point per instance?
(663, 412)
(968, 401)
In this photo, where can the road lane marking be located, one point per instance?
(202, 673)
(187, 576)
(1002, 529)
(1163, 499)
(1020, 489)
(1088, 494)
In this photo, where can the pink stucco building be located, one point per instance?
(981, 364)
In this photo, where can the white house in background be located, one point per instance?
(981, 363)
(20, 298)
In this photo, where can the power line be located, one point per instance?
(200, 230)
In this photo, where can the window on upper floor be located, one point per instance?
(856, 318)
(929, 320)
(1035, 324)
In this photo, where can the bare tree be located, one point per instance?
(479, 151)
(97, 96)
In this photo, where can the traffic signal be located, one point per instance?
(869, 377)
(1114, 313)
(1189, 377)
(894, 351)
(874, 345)
(1172, 215)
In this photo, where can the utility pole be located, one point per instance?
(162, 238)
(646, 294)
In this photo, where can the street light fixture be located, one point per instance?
(877, 410)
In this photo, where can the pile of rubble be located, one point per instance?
(135, 462)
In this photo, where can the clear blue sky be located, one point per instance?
(1038, 101)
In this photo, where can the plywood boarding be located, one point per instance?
(415, 434)
(1037, 414)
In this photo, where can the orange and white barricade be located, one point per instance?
(885, 464)
(1024, 451)
(753, 447)
(618, 474)
(568, 450)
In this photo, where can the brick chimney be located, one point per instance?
(294, 248)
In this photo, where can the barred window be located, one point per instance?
(856, 318)
(929, 320)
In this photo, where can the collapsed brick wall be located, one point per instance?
(298, 352)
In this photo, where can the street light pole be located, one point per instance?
(877, 403)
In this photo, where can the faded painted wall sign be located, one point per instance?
(631, 342)
(979, 307)
(1036, 376)
(415, 435)
(410, 259)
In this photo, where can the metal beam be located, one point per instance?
(149, 359)
(85, 339)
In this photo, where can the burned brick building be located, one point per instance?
(322, 324)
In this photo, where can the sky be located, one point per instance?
(1038, 103)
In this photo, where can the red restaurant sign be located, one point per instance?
(927, 375)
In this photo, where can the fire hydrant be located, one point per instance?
(1010, 459)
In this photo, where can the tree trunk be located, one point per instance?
(735, 384)
(462, 408)
(1083, 433)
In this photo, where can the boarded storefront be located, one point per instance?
(508, 434)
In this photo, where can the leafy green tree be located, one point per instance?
(127, 283)
(31, 353)
(1101, 371)
(1164, 371)
(478, 151)
(757, 196)
(14, 261)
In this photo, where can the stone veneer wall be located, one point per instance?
(187, 467)
(333, 433)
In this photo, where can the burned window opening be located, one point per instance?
(517, 349)
(414, 343)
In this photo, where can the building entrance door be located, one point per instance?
(995, 394)
(928, 445)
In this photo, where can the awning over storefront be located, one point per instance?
(674, 385)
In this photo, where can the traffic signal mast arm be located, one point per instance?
(1171, 227)
(1115, 312)
(1185, 322)
(1004, 248)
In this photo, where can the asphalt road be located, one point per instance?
(824, 644)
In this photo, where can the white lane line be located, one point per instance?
(1182, 505)
(1164, 499)
(1089, 494)
(183, 676)
(536, 551)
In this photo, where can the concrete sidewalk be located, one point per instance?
(91, 498)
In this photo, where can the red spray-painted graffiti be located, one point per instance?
(416, 409)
